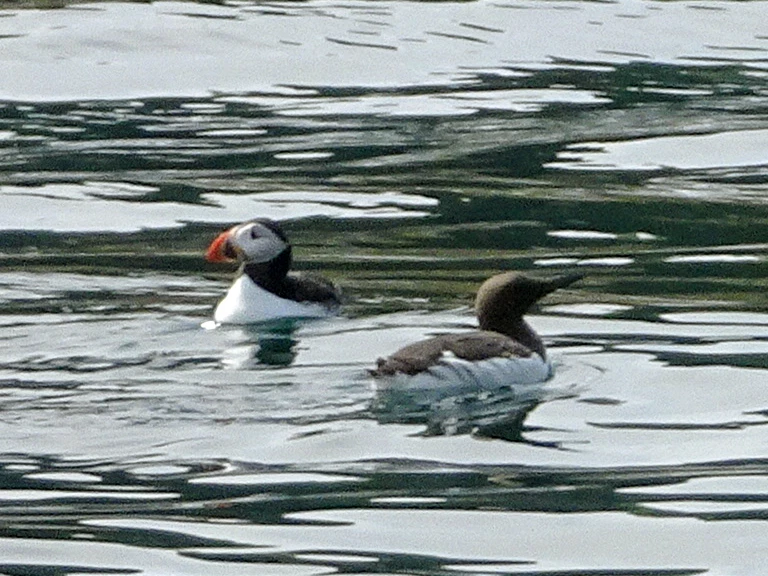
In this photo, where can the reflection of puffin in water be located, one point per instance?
(264, 289)
(273, 343)
(485, 378)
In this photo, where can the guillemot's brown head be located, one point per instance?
(502, 300)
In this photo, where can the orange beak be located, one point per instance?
(220, 249)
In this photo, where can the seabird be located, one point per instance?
(505, 350)
(264, 288)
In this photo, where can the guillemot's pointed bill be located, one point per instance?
(505, 351)
(264, 289)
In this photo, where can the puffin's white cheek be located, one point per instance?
(262, 249)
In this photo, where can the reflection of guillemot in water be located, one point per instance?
(264, 289)
(484, 380)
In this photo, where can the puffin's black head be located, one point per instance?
(273, 226)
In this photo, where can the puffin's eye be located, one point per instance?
(254, 233)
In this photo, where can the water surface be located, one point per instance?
(411, 150)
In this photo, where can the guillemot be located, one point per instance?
(264, 289)
(504, 351)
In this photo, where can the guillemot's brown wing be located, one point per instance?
(471, 346)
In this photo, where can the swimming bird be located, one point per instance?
(264, 288)
(504, 351)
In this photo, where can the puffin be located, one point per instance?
(264, 288)
(505, 351)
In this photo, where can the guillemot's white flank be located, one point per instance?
(264, 289)
(504, 352)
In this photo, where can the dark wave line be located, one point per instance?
(360, 44)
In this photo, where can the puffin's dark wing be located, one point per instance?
(311, 288)
(473, 346)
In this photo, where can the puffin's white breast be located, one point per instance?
(247, 303)
(452, 373)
